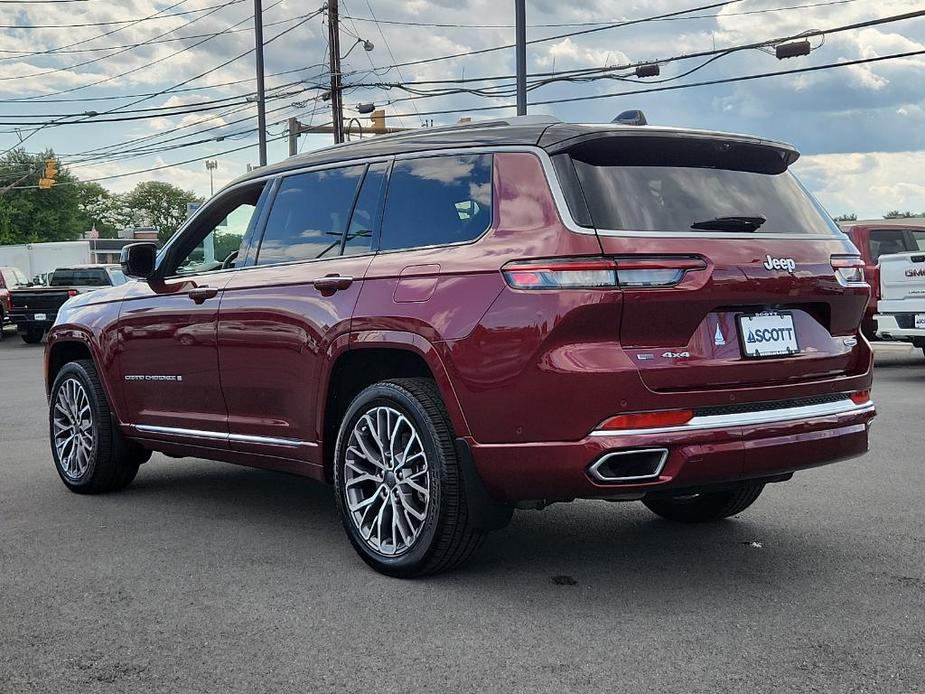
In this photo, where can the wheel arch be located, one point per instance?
(74, 345)
(366, 358)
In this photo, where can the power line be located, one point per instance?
(172, 39)
(160, 60)
(127, 48)
(162, 166)
(574, 75)
(132, 96)
(728, 80)
(508, 46)
(586, 24)
(156, 15)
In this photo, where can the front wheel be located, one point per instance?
(89, 451)
(399, 487)
(707, 506)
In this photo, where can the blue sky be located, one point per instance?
(861, 128)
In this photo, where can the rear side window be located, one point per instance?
(665, 184)
(309, 215)
(918, 239)
(437, 200)
(79, 277)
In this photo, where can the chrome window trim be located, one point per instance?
(724, 421)
(220, 436)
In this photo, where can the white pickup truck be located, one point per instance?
(901, 310)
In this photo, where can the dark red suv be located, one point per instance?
(451, 323)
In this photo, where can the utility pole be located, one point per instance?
(337, 107)
(261, 101)
(521, 49)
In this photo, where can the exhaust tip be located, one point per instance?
(629, 466)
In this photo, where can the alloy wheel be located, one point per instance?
(73, 428)
(386, 480)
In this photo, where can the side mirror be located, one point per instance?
(138, 259)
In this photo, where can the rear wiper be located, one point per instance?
(730, 223)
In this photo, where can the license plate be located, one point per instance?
(40, 316)
(768, 335)
(920, 321)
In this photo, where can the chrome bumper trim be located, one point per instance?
(726, 421)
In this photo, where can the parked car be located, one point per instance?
(902, 298)
(10, 279)
(449, 323)
(34, 309)
(874, 239)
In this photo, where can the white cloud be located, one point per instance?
(868, 184)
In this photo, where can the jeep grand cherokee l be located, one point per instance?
(449, 323)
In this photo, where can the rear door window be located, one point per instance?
(665, 184)
(367, 211)
(309, 215)
(437, 201)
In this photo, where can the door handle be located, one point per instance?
(200, 294)
(331, 283)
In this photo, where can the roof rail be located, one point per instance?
(500, 122)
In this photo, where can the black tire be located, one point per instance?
(33, 336)
(705, 507)
(446, 537)
(113, 462)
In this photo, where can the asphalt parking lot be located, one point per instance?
(206, 577)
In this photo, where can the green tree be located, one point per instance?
(160, 205)
(896, 214)
(29, 214)
(850, 217)
(102, 208)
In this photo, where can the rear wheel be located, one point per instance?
(89, 451)
(399, 486)
(707, 506)
(33, 336)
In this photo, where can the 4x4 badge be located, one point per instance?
(718, 339)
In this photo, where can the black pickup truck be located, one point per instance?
(34, 309)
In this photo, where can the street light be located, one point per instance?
(211, 165)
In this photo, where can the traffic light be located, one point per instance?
(51, 174)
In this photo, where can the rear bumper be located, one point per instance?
(24, 321)
(888, 328)
(708, 450)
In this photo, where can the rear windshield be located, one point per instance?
(649, 184)
(79, 277)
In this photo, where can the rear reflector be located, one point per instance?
(599, 273)
(72, 292)
(861, 397)
(648, 420)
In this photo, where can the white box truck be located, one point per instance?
(41, 258)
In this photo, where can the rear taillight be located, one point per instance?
(849, 269)
(860, 397)
(72, 292)
(562, 274)
(647, 420)
(600, 273)
(656, 271)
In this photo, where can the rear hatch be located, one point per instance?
(778, 293)
(902, 283)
